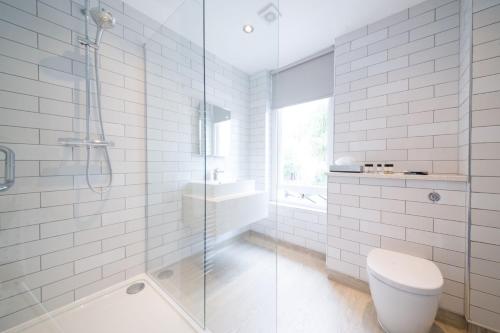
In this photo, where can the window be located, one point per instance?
(302, 157)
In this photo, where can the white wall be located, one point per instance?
(421, 120)
(464, 85)
(397, 100)
(59, 240)
(260, 128)
(295, 225)
(396, 89)
(485, 147)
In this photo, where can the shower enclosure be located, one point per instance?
(134, 142)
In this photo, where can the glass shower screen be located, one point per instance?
(241, 39)
(211, 224)
(175, 99)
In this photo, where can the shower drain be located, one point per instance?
(165, 274)
(135, 288)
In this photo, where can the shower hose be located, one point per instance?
(107, 187)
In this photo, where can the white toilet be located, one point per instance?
(405, 290)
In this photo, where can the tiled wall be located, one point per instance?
(464, 85)
(485, 148)
(58, 240)
(295, 225)
(260, 128)
(396, 214)
(405, 96)
(396, 89)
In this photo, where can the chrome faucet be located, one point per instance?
(216, 173)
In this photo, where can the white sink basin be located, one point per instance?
(221, 189)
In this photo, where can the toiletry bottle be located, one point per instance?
(388, 168)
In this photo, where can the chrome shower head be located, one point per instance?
(103, 19)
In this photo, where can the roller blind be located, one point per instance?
(307, 81)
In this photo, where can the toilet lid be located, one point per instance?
(402, 271)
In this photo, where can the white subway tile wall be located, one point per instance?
(485, 178)
(52, 227)
(397, 85)
(464, 85)
(303, 227)
(58, 240)
(260, 130)
(364, 213)
(444, 51)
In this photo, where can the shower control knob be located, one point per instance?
(434, 196)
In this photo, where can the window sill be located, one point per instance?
(296, 206)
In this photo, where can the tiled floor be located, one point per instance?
(247, 283)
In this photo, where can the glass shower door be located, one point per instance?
(241, 50)
(175, 117)
(211, 223)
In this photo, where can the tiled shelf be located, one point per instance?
(436, 177)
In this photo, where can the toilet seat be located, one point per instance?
(408, 273)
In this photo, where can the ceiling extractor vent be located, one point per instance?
(269, 13)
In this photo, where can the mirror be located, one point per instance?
(218, 131)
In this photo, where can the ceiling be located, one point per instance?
(305, 26)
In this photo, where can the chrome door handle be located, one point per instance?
(10, 168)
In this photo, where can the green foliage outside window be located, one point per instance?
(303, 143)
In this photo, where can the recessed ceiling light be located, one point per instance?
(248, 28)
